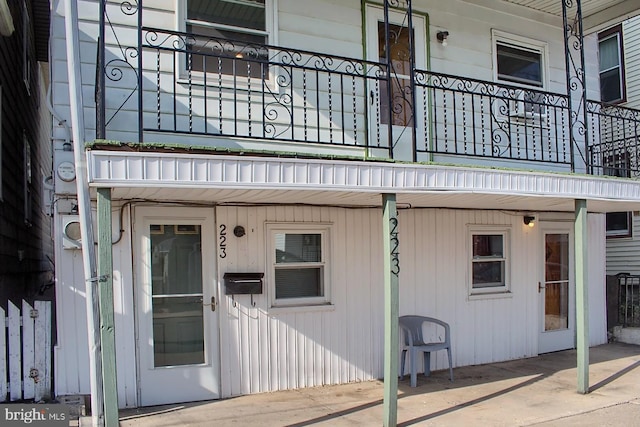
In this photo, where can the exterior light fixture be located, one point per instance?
(442, 37)
(529, 220)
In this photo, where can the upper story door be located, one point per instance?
(390, 100)
(176, 321)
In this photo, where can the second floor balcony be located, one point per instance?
(239, 94)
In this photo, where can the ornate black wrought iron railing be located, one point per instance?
(205, 85)
(615, 136)
(186, 83)
(469, 117)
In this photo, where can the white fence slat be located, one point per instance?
(43, 352)
(15, 377)
(3, 356)
(48, 353)
(28, 351)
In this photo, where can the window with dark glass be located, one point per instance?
(519, 65)
(611, 61)
(618, 224)
(618, 164)
(299, 266)
(230, 37)
(488, 261)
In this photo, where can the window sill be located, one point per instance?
(619, 236)
(489, 295)
(276, 310)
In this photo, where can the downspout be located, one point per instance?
(84, 208)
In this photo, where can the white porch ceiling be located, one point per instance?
(227, 179)
(595, 13)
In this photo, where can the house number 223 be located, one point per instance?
(223, 241)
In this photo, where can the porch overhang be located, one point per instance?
(596, 14)
(173, 176)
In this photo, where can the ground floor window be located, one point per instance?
(299, 255)
(489, 260)
(619, 224)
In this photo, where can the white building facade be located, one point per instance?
(247, 146)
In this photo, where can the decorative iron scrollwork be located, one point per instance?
(395, 244)
(117, 67)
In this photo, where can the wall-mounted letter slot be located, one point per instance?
(243, 283)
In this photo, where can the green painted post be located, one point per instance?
(582, 300)
(391, 303)
(105, 295)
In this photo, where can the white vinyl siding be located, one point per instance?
(622, 253)
(631, 40)
(261, 351)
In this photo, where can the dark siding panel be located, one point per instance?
(25, 247)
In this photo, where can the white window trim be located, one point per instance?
(27, 54)
(620, 66)
(627, 232)
(271, 25)
(323, 229)
(505, 231)
(523, 43)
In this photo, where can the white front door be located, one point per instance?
(177, 327)
(557, 290)
(401, 107)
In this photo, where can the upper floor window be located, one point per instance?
(27, 47)
(519, 60)
(230, 36)
(519, 65)
(612, 86)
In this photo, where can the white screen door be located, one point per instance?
(400, 105)
(176, 322)
(557, 291)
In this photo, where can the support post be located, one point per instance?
(582, 300)
(105, 292)
(391, 304)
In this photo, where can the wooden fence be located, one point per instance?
(25, 359)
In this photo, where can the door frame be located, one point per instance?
(550, 341)
(373, 14)
(205, 218)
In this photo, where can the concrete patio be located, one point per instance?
(535, 391)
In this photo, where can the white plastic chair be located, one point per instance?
(414, 342)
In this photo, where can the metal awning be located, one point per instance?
(252, 179)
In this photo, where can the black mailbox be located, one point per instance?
(243, 283)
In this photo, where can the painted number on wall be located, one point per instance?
(223, 241)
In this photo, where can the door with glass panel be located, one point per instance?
(175, 301)
(393, 106)
(557, 291)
